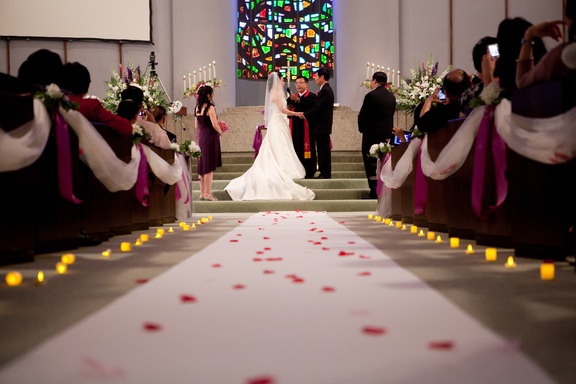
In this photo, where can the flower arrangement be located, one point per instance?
(491, 95)
(377, 150)
(366, 84)
(190, 148)
(193, 90)
(423, 81)
(139, 133)
(416, 132)
(53, 98)
(150, 85)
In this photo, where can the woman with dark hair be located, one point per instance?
(557, 63)
(510, 33)
(41, 68)
(208, 133)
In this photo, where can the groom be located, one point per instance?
(320, 117)
(301, 102)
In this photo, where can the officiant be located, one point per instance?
(302, 101)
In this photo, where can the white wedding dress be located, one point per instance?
(271, 176)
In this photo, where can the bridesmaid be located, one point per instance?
(208, 133)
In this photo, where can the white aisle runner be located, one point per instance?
(285, 298)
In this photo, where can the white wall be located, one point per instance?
(190, 33)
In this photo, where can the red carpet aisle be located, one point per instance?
(287, 297)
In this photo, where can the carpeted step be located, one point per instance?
(321, 194)
(285, 205)
(335, 174)
(314, 184)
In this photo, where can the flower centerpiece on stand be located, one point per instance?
(193, 90)
(423, 81)
(379, 150)
(154, 93)
(190, 149)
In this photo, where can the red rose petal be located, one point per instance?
(238, 234)
(259, 252)
(351, 242)
(312, 223)
(216, 266)
(344, 253)
(240, 221)
(257, 259)
(141, 281)
(298, 280)
(320, 231)
(187, 299)
(152, 327)
(238, 286)
(268, 272)
(266, 238)
(323, 238)
(325, 248)
(317, 243)
(328, 289)
(267, 249)
(441, 345)
(312, 229)
(261, 380)
(364, 257)
(341, 222)
(370, 330)
(233, 241)
(365, 273)
(291, 276)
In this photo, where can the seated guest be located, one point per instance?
(509, 36)
(557, 63)
(40, 69)
(77, 81)
(20, 110)
(160, 117)
(436, 113)
(484, 64)
(158, 136)
(128, 110)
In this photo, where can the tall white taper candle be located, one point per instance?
(210, 71)
(189, 80)
(368, 71)
(194, 77)
(184, 80)
(214, 65)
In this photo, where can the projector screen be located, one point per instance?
(126, 20)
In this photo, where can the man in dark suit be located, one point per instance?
(320, 117)
(375, 122)
(302, 101)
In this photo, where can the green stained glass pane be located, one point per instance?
(323, 59)
(266, 50)
(306, 73)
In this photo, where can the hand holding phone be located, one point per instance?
(493, 50)
(441, 95)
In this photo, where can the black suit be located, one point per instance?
(304, 103)
(375, 122)
(320, 117)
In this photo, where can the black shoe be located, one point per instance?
(369, 197)
(321, 177)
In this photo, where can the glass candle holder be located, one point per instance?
(454, 242)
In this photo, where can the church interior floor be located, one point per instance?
(535, 317)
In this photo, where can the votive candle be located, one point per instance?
(387, 220)
(40, 278)
(439, 239)
(170, 230)
(13, 278)
(398, 224)
(454, 242)
(125, 246)
(431, 235)
(547, 270)
(370, 216)
(404, 227)
(421, 233)
(61, 268)
(160, 231)
(414, 229)
(510, 263)
(378, 218)
(491, 254)
(144, 237)
(68, 258)
(107, 252)
(469, 250)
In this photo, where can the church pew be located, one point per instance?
(407, 194)
(542, 195)
(397, 197)
(57, 219)
(162, 199)
(437, 206)
(18, 192)
(105, 213)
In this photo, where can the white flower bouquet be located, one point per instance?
(193, 90)
(139, 133)
(491, 95)
(423, 81)
(377, 150)
(190, 148)
(53, 97)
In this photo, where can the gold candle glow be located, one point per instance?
(370, 216)
(421, 233)
(454, 242)
(160, 231)
(170, 230)
(107, 252)
(398, 224)
(431, 235)
(547, 270)
(125, 246)
(68, 258)
(61, 268)
(138, 242)
(144, 237)
(13, 279)
(439, 240)
(181, 224)
(510, 263)
(414, 229)
(469, 250)
(40, 278)
(209, 218)
(491, 254)
(387, 220)
(404, 228)
(158, 236)
(186, 227)
(378, 218)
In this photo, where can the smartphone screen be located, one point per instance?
(441, 95)
(494, 52)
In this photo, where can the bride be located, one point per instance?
(271, 176)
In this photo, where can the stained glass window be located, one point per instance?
(274, 35)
